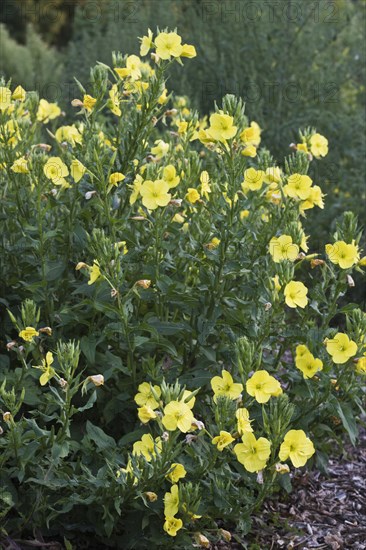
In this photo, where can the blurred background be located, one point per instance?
(295, 63)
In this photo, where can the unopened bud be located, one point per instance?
(151, 497)
(350, 281)
(77, 103)
(46, 330)
(226, 535)
(7, 416)
(97, 379)
(88, 195)
(202, 540)
(143, 283)
(138, 218)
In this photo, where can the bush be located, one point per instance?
(175, 344)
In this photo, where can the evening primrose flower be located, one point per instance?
(205, 184)
(171, 501)
(48, 371)
(253, 179)
(342, 254)
(192, 195)
(115, 178)
(262, 386)
(177, 414)
(70, 134)
(224, 386)
(114, 100)
(94, 273)
(55, 170)
(177, 472)
(89, 102)
(5, 98)
(221, 127)
(296, 294)
(298, 186)
(145, 395)
(136, 187)
(132, 69)
(243, 421)
(315, 198)
(168, 44)
(20, 166)
(155, 194)
(318, 145)
(188, 51)
(146, 414)
(172, 525)
(251, 136)
(223, 440)
(47, 111)
(19, 94)
(273, 175)
(297, 447)
(146, 43)
(170, 176)
(161, 149)
(28, 334)
(253, 453)
(249, 151)
(147, 447)
(307, 363)
(77, 170)
(282, 248)
(341, 348)
(361, 364)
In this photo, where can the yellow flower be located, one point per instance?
(297, 447)
(262, 386)
(222, 440)
(295, 294)
(251, 136)
(161, 149)
(146, 43)
(193, 195)
(205, 186)
(243, 421)
(341, 348)
(115, 178)
(244, 214)
(191, 400)
(151, 497)
(214, 243)
(48, 371)
(177, 472)
(282, 248)
(188, 51)
(249, 151)
(221, 127)
(361, 364)
(5, 98)
(114, 100)
(171, 502)
(315, 198)
(178, 218)
(70, 134)
(155, 194)
(147, 447)
(177, 415)
(89, 102)
(163, 98)
(253, 453)
(318, 145)
(28, 334)
(182, 126)
(172, 525)
(307, 363)
(132, 69)
(146, 396)
(342, 254)
(253, 179)
(77, 170)
(19, 94)
(55, 170)
(20, 166)
(168, 44)
(276, 283)
(273, 175)
(225, 386)
(146, 414)
(302, 147)
(47, 111)
(170, 176)
(136, 187)
(298, 186)
(94, 273)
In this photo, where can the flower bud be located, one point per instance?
(350, 281)
(226, 535)
(46, 330)
(88, 195)
(143, 283)
(81, 265)
(7, 416)
(97, 379)
(151, 497)
(77, 103)
(201, 540)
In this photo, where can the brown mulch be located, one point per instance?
(324, 511)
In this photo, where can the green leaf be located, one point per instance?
(101, 439)
(347, 417)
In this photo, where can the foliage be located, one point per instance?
(163, 307)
